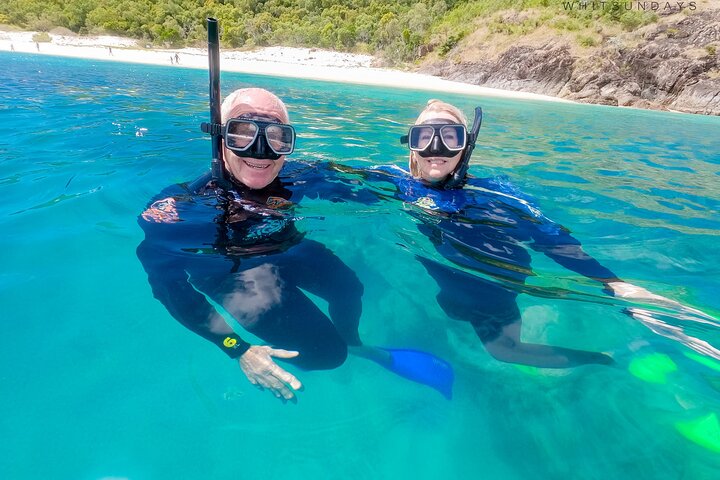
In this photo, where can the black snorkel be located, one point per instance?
(214, 128)
(458, 177)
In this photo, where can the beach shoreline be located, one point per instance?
(307, 63)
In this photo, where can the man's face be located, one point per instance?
(252, 172)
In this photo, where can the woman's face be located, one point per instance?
(436, 169)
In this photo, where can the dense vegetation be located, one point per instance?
(401, 30)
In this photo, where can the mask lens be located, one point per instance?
(453, 136)
(240, 135)
(280, 138)
(420, 137)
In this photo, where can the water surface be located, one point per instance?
(99, 380)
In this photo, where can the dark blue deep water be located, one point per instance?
(98, 381)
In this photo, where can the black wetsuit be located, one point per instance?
(485, 230)
(238, 250)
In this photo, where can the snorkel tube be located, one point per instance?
(459, 176)
(214, 128)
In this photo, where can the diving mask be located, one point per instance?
(259, 139)
(437, 138)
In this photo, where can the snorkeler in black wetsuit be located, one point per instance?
(483, 227)
(218, 252)
(238, 251)
(222, 252)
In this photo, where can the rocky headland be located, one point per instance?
(671, 64)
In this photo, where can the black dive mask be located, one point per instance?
(258, 139)
(438, 137)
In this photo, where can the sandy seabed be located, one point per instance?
(307, 63)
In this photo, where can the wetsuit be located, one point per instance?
(212, 254)
(485, 229)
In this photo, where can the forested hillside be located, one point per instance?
(397, 30)
(646, 54)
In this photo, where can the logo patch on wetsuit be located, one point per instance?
(426, 202)
(266, 228)
(162, 211)
(229, 342)
(277, 202)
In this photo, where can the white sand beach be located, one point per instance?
(307, 63)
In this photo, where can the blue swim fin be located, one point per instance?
(422, 367)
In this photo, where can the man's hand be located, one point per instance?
(260, 369)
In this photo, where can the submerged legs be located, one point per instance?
(492, 310)
(509, 348)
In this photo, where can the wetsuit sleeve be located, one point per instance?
(548, 237)
(556, 242)
(335, 183)
(171, 286)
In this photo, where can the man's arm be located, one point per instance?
(171, 285)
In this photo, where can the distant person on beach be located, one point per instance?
(172, 62)
(226, 252)
(482, 227)
(110, 50)
(177, 59)
(37, 45)
(12, 47)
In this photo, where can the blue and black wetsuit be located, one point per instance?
(485, 229)
(212, 254)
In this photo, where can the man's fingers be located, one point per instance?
(295, 384)
(286, 377)
(287, 394)
(277, 387)
(260, 369)
(281, 391)
(283, 375)
(280, 353)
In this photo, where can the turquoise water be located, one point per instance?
(99, 381)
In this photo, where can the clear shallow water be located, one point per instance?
(99, 381)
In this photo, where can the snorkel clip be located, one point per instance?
(212, 128)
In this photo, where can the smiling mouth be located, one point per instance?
(256, 166)
(436, 161)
